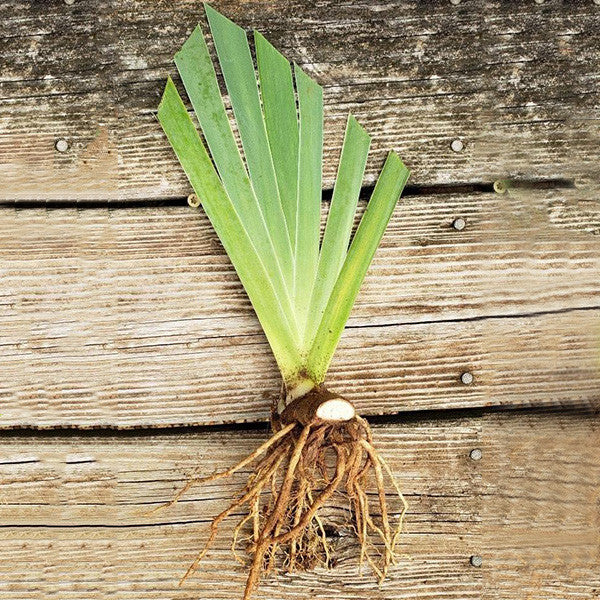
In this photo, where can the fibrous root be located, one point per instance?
(296, 472)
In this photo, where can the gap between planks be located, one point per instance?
(465, 187)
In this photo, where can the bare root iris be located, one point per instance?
(265, 205)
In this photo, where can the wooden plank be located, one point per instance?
(541, 508)
(134, 317)
(516, 84)
(74, 524)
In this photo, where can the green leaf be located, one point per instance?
(368, 235)
(236, 239)
(281, 119)
(198, 75)
(340, 219)
(308, 213)
(237, 66)
(265, 202)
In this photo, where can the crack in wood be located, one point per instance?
(409, 190)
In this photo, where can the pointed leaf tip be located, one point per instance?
(191, 41)
(167, 89)
(312, 85)
(354, 122)
(216, 18)
(396, 157)
(261, 40)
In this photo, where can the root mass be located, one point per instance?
(296, 472)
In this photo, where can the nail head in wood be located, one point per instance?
(499, 187)
(193, 201)
(457, 145)
(476, 560)
(459, 223)
(476, 454)
(467, 378)
(61, 145)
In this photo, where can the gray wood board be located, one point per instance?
(135, 317)
(515, 82)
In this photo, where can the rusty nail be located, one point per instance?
(476, 560)
(467, 378)
(476, 454)
(459, 224)
(457, 145)
(61, 145)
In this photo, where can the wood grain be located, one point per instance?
(74, 524)
(135, 317)
(541, 508)
(516, 82)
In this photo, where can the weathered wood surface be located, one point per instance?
(516, 82)
(135, 316)
(73, 523)
(540, 512)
